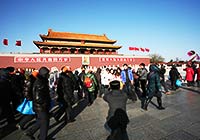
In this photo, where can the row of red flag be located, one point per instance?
(17, 43)
(139, 49)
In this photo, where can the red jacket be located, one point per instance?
(189, 74)
(198, 73)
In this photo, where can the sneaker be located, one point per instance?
(71, 120)
(18, 127)
(144, 108)
(161, 108)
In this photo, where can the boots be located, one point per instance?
(143, 102)
(146, 103)
(160, 107)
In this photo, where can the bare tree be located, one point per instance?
(155, 58)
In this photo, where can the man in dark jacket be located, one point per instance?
(41, 104)
(118, 124)
(142, 72)
(5, 97)
(174, 75)
(153, 87)
(17, 83)
(65, 89)
(28, 94)
(116, 98)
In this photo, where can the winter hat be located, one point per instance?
(43, 71)
(11, 70)
(4, 72)
(65, 69)
(142, 64)
(153, 67)
(115, 85)
(34, 73)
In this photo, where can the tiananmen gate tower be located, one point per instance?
(72, 49)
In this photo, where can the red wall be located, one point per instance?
(75, 62)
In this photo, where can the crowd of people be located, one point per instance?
(115, 85)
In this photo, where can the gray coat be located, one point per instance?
(115, 99)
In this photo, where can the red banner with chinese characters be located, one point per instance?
(41, 59)
(114, 59)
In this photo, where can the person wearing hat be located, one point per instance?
(6, 110)
(17, 83)
(41, 104)
(153, 87)
(115, 98)
(174, 75)
(65, 89)
(118, 124)
(28, 94)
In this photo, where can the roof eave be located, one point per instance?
(43, 37)
(38, 44)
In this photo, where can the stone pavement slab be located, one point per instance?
(179, 121)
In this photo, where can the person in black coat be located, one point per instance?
(5, 97)
(98, 77)
(28, 94)
(115, 98)
(174, 75)
(118, 124)
(17, 83)
(65, 90)
(153, 87)
(41, 104)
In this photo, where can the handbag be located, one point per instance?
(178, 82)
(26, 107)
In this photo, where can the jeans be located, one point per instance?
(42, 123)
(130, 90)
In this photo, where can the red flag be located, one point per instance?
(137, 49)
(5, 42)
(131, 48)
(190, 53)
(147, 50)
(142, 49)
(198, 57)
(18, 43)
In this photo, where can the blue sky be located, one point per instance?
(169, 28)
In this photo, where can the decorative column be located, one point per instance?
(50, 49)
(77, 51)
(96, 51)
(87, 51)
(60, 50)
(110, 51)
(103, 51)
(41, 50)
(68, 50)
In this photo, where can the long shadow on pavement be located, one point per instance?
(7, 130)
(191, 89)
(81, 105)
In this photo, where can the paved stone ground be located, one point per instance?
(179, 121)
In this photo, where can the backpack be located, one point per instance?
(88, 82)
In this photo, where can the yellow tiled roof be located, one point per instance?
(76, 36)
